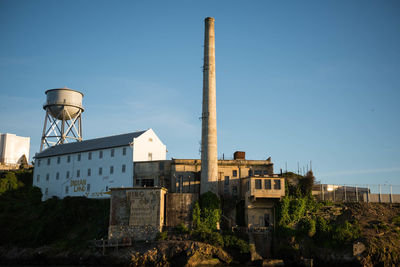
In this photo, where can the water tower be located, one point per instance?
(63, 120)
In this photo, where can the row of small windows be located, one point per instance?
(112, 153)
(251, 172)
(78, 173)
(267, 184)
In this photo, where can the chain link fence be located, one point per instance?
(357, 193)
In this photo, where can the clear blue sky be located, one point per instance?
(296, 80)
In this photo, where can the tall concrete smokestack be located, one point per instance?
(209, 160)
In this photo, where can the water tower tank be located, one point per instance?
(63, 120)
(63, 103)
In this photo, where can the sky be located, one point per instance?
(297, 81)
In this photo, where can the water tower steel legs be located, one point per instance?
(55, 135)
(209, 156)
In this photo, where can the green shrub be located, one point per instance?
(207, 212)
(308, 226)
(210, 237)
(182, 228)
(161, 236)
(396, 220)
(9, 182)
(323, 229)
(233, 242)
(346, 233)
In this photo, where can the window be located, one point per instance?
(78, 173)
(58, 160)
(124, 151)
(150, 139)
(100, 171)
(47, 191)
(258, 183)
(277, 184)
(265, 172)
(112, 152)
(100, 154)
(111, 169)
(57, 175)
(226, 182)
(37, 178)
(147, 182)
(88, 187)
(257, 172)
(234, 191)
(150, 156)
(250, 172)
(161, 165)
(47, 177)
(89, 155)
(38, 163)
(89, 172)
(107, 188)
(67, 174)
(123, 167)
(137, 181)
(48, 161)
(79, 157)
(66, 190)
(68, 158)
(267, 184)
(234, 173)
(180, 184)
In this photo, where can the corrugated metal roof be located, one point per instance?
(88, 145)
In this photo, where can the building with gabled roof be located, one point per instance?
(91, 167)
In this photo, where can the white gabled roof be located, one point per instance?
(91, 144)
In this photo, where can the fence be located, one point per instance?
(357, 193)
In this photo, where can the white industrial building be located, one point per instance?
(14, 150)
(91, 167)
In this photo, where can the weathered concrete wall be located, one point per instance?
(179, 208)
(136, 212)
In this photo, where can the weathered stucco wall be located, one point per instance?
(137, 213)
(179, 208)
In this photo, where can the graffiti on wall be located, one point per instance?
(78, 185)
(144, 207)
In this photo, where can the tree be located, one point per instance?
(9, 182)
(306, 183)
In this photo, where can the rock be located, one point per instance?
(272, 263)
(358, 248)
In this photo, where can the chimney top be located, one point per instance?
(210, 18)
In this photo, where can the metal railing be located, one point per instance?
(357, 193)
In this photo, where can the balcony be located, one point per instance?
(264, 187)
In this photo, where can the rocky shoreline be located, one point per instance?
(164, 253)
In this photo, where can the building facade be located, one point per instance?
(243, 185)
(90, 168)
(14, 150)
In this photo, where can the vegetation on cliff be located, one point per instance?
(26, 221)
(326, 231)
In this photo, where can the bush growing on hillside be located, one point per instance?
(9, 182)
(347, 232)
(396, 220)
(233, 242)
(308, 226)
